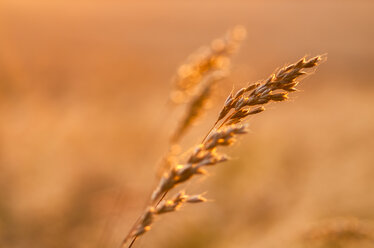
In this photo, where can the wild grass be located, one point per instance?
(228, 126)
(81, 124)
(194, 83)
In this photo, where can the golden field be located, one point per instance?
(84, 121)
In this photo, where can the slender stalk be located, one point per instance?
(210, 130)
(133, 241)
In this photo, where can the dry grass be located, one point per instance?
(82, 84)
(275, 88)
(208, 60)
(194, 83)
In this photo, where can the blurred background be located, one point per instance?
(84, 121)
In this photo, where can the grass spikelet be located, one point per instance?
(197, 104)
(276, 88)
(194, 84)
(165, 206)
(216, 57)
